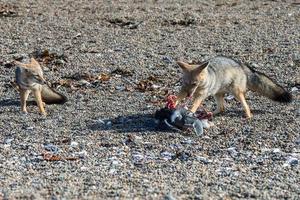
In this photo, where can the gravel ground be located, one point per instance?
(115, 63)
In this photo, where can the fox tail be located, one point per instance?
(262, 84)
(50, 96)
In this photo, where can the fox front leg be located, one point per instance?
(40, 103)
(196, 103)
(181, 95)
(23, 97)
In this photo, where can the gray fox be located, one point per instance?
(220, 75)
(29, 77)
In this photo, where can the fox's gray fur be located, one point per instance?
(49, 95)
(29, 78)
(221, 75)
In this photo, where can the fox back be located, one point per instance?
(223, 74)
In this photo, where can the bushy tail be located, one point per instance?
(50, 96)
(260, 83)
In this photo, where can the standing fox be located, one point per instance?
(29, 77)
(220, 75)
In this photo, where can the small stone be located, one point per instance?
(170, 197)
(229, 97)
(29, 128)
(137, 157)
(60, 62)
(232, 151)
(100, 121)
(167, 59)
(294, 89)
(19, 56)
(115, 162)
(109, 123)
(82, 154)
(120, 88)
(203, 160)
(155, 86)
(187, 141)
(77, 35)
(74, 144)
(298, 112)
(8, 140)
(83, 168)
(52, 148)
(112, 171)
(293, 161)
(83, 82)
(276, 150)
(183, 156)
(167, 155)
(46, 69)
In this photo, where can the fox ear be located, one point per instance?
(33, 61)
(184, 66)
(201, 67)
(20, 64)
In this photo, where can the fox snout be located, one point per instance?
(40, 80)
(189, 90)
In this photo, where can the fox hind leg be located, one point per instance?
(220, 103)
(24, 96)
(241, 97)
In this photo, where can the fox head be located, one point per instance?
(32, 70)
(193, 76)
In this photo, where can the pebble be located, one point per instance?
(29, 128)
(83, 168)
(109, 123)
(204, 160)
(276, 150)
(120, 88)
(74, 144)
(229, 97)
(82, 154)
(292, 162)
(112, 171)
(83, 82)
(100, 121)
(137, 158)
(167, 155)
(167, 59)
(187, 141)
(155, 86)
(170, 197)
(294, 89)
(232, 151)
(298, 112)
(8, 140)
(52, 148)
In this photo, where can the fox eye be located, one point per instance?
(194, 84)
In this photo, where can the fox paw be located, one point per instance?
(44, 113)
